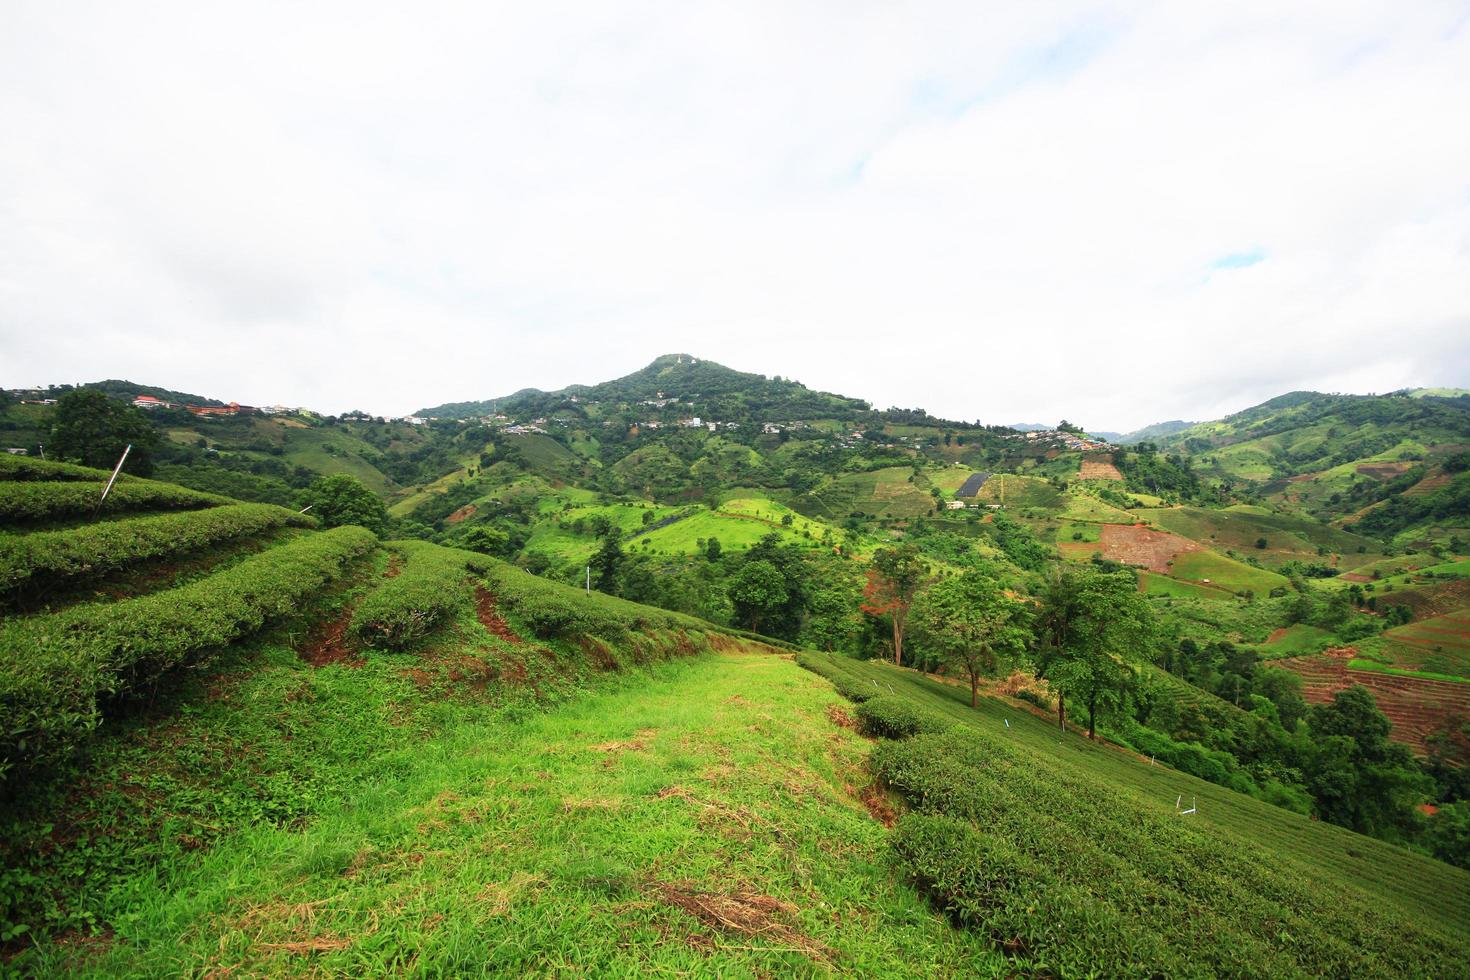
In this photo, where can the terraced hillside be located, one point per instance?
(1076, 856)
(1416, 706)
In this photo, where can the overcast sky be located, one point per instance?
(1113, 213)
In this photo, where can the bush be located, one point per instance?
(895, 716)
(56, 670)
(555, 611)
(27, 468)
(433, 583)
(30, 501)
(47, 557)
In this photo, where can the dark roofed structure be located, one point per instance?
(973, 484)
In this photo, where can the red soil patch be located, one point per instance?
(489, 616)
(1277, 635)
(1355, 577)
(330, 642)
(1099, 468)
(879, 806)
(395, 567)
(463, 514)
(1134, 544)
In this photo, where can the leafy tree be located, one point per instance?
(344, 499)
(607, 560)
(758, 591)
(712, 549)
(1356, 776)
(1089, 630)
(969, 622)
(487, 541)
(93, 429)
(893, 581)
(1448, 834)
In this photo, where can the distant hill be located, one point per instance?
(132, 389)
(1029, 426)
(1150, 433)
(697, 384)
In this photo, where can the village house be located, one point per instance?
(148, 401)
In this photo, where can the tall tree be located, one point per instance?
(758, 592)
(1356, 776)
(893, 580)
(608, 560)
(344, 499)
(1091, 630)
(969, 622)
(94, 429)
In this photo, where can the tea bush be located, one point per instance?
(30, 501)
(434, 581)
(46, 557)
(56, 670)
(895, 716)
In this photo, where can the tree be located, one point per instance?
(970, 622)
(93, 429)
(607, 560)
(893, 581)
(712, 549)
(1091, 629)
(758, 591)
(1356, 776)
(343, 499)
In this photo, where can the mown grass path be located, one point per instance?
(698, 818)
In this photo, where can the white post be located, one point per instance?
(112, 479)
(589, 580)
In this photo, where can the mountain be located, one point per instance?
(697, 386)
(1151, 433)
(1030, 426)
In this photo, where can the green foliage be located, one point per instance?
(1448, 503)
(1054, 866)
(33, 501)
(46, 558)
(341, 500)
(892, 716)
(432, 582)
(969, 622)
(56, 670)
(758, 591)
(1448, 836)
(1358, 778)
(93, 429)
(30, 468)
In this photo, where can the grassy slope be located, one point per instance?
(1338, 860)
(479, 839)
(1240, 527)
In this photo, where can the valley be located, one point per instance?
(603, 680)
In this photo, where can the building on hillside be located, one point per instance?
(148, 401)
(954, 505)
(233, 408)
(17, 451)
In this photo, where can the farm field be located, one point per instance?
(1153, 583)
(1295, 640)
(647, 828)
(1212, 569)
(1142, 547)
(1100, 468)
(1241, 527)
(1417, 707)
(1078, 505)
(1440, 644)
(1358, 882)
(738, 523)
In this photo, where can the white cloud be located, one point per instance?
(1006, 214)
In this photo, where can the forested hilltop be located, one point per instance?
(1269, 614)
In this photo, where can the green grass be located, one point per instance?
(1225, 573)
(1152, 583)
(738, 523)
(1359, 878)
(1297, 640)
(1440, 644)
(1359, 663)
(571, 842)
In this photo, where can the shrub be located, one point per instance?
(29, 501)
(895, 716)
(27, 468)
(44, 557)
(56, 670)
(433, 583)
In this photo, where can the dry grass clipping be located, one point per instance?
(743, 912)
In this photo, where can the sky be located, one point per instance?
(1114, 213)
